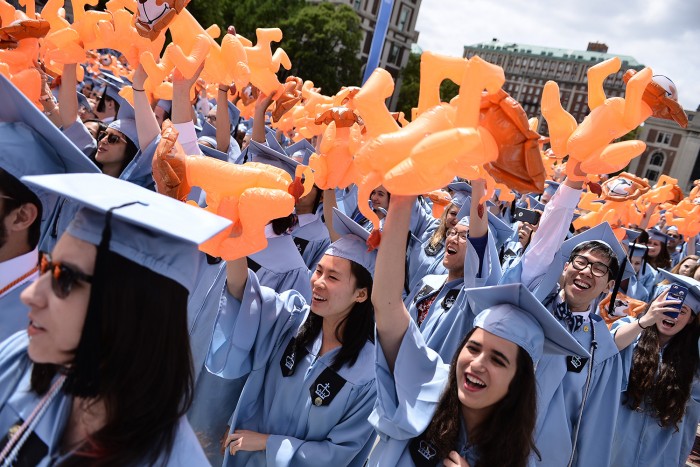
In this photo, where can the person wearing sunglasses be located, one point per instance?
(102, 375)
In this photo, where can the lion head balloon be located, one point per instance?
(155, 15)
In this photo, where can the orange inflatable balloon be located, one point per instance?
(440, 199)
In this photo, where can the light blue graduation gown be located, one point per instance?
(251, 336)
(636, 290)
(444, 328)
(13, 313)
(639, 440)
(420, 264)
(312, 241)
(17, 402)
(648, 279)
(281, 267)
(406, 403)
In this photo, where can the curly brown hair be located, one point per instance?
(498, 440)
(663, 384)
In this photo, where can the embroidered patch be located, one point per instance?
(326, 387)
(301, 244)
(33, 451)
(252, 265)
(423, 453)
(288, 362)
(449, 299)
(575, 363)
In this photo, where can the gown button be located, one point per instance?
(318, 401)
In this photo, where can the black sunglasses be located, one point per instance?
(111, 138)
(62, 277)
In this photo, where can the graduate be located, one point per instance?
(75, 387)
(637, 258)
(658, 255)
(311, 385)
(570, 278)
(32, 145)
(482, 409)
(660, 403)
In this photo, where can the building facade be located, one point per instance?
(529, 67)
(671, 150)
(400, 36)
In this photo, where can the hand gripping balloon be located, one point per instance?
(251, 195)
(156, 15)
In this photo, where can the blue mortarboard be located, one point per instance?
(125, 122)
(83, 101)
(208, 129)
(112, 86)
(637, 250)
(501, 231)
(353, 243)
(601, 232)
(32, 145)
(301, 151)
(211, 152)
(157, 232)
(272, 140)
(656, 234)
(461, 192)
(511, 312)
(535, 203)
(630, 236)
(693, 286)
(234, 114)
(165, 105)
(551, 187)
(259, 152)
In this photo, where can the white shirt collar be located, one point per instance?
(15, 268)
(584, 314)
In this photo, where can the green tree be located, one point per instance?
(323, 42)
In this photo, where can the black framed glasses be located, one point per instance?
(63, 277)
(111, 138)
(598, 269)
(454, 232)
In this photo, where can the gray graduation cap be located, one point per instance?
(32, 145)
(601, 232)
(461, 193)
(535, 203)
(113, 85)
(301, 151)
(150, 229)
(511, 312)
(353, 243)
(83, 101)
(215, 153)
(272, 140)
(656, 234)
(166, 105)
(125, 122)
(259, 152)
(551, 187)
(208, 129)
(637, 250)
(693, 286)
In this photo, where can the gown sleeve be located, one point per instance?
(81, 137)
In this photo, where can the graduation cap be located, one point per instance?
(535, 204)
(513, 313)
(693, 286)
(551, 187)
(637, 250)
(84, 102)
(301, 151)
(461, 193)
(113, 85)
(207, 129)
(259, 152)
(270, 137)
(603, 233)
(353, 243)
(501, 231)
(234, 114)
(125, 122)
(165, 105)
(212, 152)
(149, 229)
(658, 235)
(155, 231)
(32, 145)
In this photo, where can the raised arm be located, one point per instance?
(146, 124)
(329, 202)
(182, 104)
(68, 96)
(236, 277)
(478, 218)
(390, 313)
(223, 120)
(261, 105)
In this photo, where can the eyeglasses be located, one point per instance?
(211, 119)
(6, 197)
(111, 138)
(454, 232)
(63, 277)
(597, 268)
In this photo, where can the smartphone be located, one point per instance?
(527, 215)
(676, 292)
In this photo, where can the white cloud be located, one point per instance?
(664, 35)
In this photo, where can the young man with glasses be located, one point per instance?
(578, 398)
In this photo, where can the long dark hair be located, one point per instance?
(662, 260)
(355, 334)
(664, 385)
(129, 153)
(145, 376)
(506, 436)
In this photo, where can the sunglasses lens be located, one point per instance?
(112, 139)
(62, 281)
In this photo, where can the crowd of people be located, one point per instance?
(483, 332)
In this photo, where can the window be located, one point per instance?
(404, 17)
(651, 175)
(663, 138)
(395, 54)
(657, 159)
